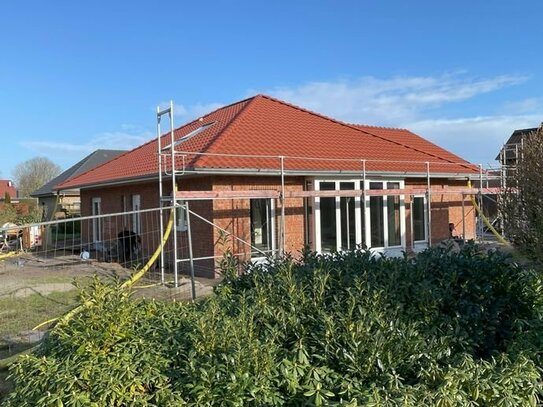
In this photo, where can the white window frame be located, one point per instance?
(136, 216)
(181, 217)
(420, 244)
(361, 209)
(96, 210)
(257, 257)
(386, 247)
(317, 210)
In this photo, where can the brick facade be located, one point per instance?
(446, 209)
(233, 215)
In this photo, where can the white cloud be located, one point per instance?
(115, 140)
(477, 139)
(523, 106)
(388, 101)
(419, 103)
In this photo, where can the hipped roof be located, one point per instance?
(253, 133)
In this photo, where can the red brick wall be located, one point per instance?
(233, 215)
(445, 209)
(112, 202)
(201, 231)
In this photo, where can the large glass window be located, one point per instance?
(377, 224)
(393, 216)
(419, 219)
(343, 222)
(328, 219)
(348, 219)
(261, 225)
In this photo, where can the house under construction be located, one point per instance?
(277, 178)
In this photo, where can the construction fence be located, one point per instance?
(44, 265)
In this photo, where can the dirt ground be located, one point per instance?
(34, 289)
(27, 274)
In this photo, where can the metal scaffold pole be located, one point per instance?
(174, 200)
(463, 217)
(191, 257)
(162, 170)
(429, 203)
(363, 204)
(160, 193)
(282, 199)
(480, 196)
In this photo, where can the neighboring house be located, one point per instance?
(239, 148)
(510, 151)
(501, 177)
(7, 186)
(68, 201)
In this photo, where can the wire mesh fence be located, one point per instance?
(44, 266)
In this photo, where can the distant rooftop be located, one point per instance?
(515, 139)
(89, 162)
(7, 186)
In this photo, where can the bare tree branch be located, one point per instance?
(32, 174)
(522, 203)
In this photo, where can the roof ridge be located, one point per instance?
(413, 148)
(377, 127)
(352, 126)
(216, 142)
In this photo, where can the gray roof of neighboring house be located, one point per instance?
(92, 160)
(518, 135)
(516, 138)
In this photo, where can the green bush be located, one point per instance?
(444, 329)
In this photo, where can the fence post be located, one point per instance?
(429, 203)
(191, 257)
(282, 200)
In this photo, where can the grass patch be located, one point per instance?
(20, 314)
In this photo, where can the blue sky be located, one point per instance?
(76, 76)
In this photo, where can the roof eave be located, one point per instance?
(275, 172)
(308, 173)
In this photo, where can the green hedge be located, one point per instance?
(444, 329)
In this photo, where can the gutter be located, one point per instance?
(274, 172)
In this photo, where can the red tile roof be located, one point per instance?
(252, 133)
